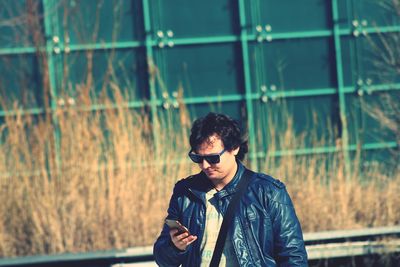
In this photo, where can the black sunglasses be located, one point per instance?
(210, 158)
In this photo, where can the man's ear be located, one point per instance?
(236, 151)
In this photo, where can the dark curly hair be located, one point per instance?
(224, 127)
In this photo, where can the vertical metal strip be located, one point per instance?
(247, 81)
(354, 55)
(151, 70)
(342, 103)
(49, 25)
(361, 75)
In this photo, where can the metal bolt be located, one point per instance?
(161, 44)
(175, 104)
(355, 23)
(263, 88)
(356, 33)
(175, 94)
(360, 82)
(165, 95)
(61, 102)
(71, 101)
(360, 92)
(57, 50)
(268, 28)
(259, 28)
(170, 43)
(67, 49)
(56, 39)
(264, 98)
(369, 81)
(273, 87)
(268, 38)
(166, 105)
(160, 34)
(259, 38)
(364, 22)
(170, 33)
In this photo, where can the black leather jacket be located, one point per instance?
(265, 232)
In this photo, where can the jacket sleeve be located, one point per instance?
(165, 253)
(289, 247)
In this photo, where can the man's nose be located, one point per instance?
(204, 164)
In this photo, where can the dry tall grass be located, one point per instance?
(108, 192)
(113, 187)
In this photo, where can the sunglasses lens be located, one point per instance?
(212, 159)
(196, 158)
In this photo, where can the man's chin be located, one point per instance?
(212, 175)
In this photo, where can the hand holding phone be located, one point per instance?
(174, 224)
(182, 238)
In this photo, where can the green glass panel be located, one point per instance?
(20, 21)
(293, 64)
(295, 123)
(350, 63)
(377, 12)
(367, 117)
(108, 72)
(195, 18)
(288, 16)
(234, 109)
(345, 9)
(101, 21)
(371, 161)
(200, 70)
(380, 55)
(20, 82)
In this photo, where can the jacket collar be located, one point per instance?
(202, 184)
(230, 188)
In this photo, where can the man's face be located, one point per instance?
(222, 172)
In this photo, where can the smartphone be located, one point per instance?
(174, 224)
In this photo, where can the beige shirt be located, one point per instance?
(213, 224)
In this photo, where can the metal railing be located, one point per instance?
(319, 245)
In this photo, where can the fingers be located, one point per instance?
(191, 239)
(181, 241)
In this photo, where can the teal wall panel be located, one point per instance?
(379, 54)
(195, 18)
(201, 70)
(288, 64)
(17, 28)
(20, 82)
(376, 13)
(313, 119)
(350, 61)
(289, 16)
(241, 57)
(124, 68)
(88, 22)
(235, 109)
(364, 128)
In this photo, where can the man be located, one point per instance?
(264, 231)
